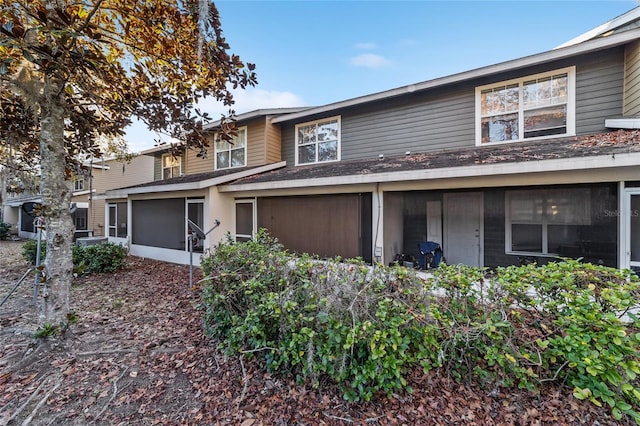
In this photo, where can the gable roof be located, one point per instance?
(627, 21)
(264, 112)
(193, 181)
(585, 47)
(520, 157)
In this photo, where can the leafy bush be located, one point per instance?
(30, 251)
(565, 322)
(4, 230)
(314, 318)
(105, 257)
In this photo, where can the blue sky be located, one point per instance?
(317, 52)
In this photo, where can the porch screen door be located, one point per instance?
(463, 220)
(633, 229)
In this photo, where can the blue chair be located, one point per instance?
(430, 254)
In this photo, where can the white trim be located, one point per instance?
(338, 120)
(571, 106)
(245, 147)
(164, 254)
(163, 168)
(79, 181)
(625, 221)
(254, 225)
(123, 193)
(537, 59)
(622, 123)
(522, 167)
(622, 228)
(108, 226)
(256, 113)
(84, 192)
(611, 25)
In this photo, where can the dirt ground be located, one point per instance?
(137, 356)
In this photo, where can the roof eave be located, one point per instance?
(192, 186)
(263, 112)
(612, 25)
(508, 168)
(548, 56)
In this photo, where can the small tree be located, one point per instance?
(74, 71)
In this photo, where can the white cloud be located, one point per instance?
(252, 99)
(139, 138)
(365, 46)
(369, 60)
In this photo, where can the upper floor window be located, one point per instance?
(318, 141)
(170, 166)
(232, 153)
(78, 184)
(532, 107)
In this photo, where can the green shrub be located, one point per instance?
(565, 322)
(4, 230)
(30, 251)
(105, 257)
(362, 328)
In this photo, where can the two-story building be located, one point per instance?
(104, 174)
(185, 189)
(533, 158)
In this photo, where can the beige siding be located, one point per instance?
(256, 143)
(195, 164)
(95, 219)
(632, 80)
(119, 174)
(273, 141)
(122, 173)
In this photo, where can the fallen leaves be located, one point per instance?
(138, 356)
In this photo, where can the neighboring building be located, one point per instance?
(106, 173)
(87, 202)
(185, 187)
(504, 164)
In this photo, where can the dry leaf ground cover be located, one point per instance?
(137, 356)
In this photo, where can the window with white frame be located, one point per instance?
(232, 153)
(78, 183)
(545, 222)
(117, 220)
(541, 105)
(318, 141)
(171, 166)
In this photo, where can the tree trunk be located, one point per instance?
(56, 198)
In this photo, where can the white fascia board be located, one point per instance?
(17, 202)
(622, 123)
(254, 114)
(162, 148)
(540, 58)
(83, 192)
(100, 166)
(250, 172)
(523, 167)
(611, 25)
(123, 193)
(190, 186)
